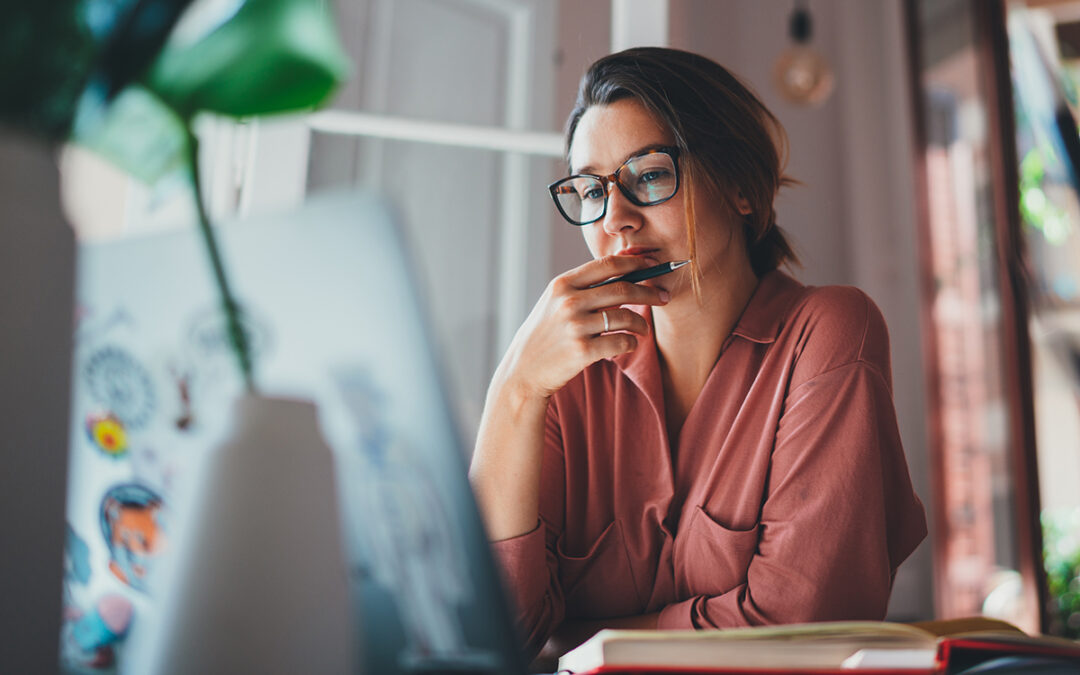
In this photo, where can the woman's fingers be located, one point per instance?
(602, 269)
(617, 319)
(625, 293)
(611, 344)
(613, 294)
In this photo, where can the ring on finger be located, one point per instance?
(607, 324)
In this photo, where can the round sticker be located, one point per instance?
(107, 433)
(121, 385)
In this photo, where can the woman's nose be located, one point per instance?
(621, 213)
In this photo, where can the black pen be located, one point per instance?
(647, 273)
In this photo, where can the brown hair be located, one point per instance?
(728, 139)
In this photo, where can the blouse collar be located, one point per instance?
(761, 322)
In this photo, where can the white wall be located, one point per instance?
(884, 259)
(853, 219)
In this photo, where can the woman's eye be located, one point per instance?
(592, 193)
(653, 175)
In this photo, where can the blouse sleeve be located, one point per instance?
(528, 562)
(840, 513)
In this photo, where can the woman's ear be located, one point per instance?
(742, 205)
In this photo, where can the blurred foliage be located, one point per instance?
(250, 59)
(1061, 556)
(230, 57)
(139, 134)
(1039, 211)
(125, 77)
(47, 54)
(56, 53)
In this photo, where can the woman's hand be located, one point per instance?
(566, 331)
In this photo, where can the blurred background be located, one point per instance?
(927, 177)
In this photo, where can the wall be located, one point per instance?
(853, 218)
(583, 34)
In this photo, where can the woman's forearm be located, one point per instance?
(505, 470)
(574, 632)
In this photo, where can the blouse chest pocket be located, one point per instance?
(598, 582)
(711, 559)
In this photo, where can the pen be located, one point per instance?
(647, 273)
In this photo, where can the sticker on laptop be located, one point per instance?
(132, 522)
(117, 382)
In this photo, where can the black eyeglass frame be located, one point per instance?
(605, 181)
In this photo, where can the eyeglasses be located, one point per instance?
(647, 179)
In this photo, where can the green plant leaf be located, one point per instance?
(269, 56)
(138, 133)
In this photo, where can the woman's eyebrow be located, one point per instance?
(640, 151)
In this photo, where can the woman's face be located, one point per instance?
(608, 135)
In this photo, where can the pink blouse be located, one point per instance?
(787, 499)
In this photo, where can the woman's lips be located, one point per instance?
(636, 250)
(641, 252)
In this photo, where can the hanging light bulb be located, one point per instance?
(801, 74)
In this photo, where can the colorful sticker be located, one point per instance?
(121, 385)
(132, 521)
(107, 433)
(76, 558)
(88, 638)
(185, 417)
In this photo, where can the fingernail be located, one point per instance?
(665, 296)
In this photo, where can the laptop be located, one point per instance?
(333, 316)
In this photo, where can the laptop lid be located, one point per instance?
(333, 315)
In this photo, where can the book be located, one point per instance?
(845, 646)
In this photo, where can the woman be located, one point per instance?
(714, 447)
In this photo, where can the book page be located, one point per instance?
(824, 644)
(970, 624)
(875, 631)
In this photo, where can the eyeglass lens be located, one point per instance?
(646, 179)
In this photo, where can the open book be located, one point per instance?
(933, 647)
